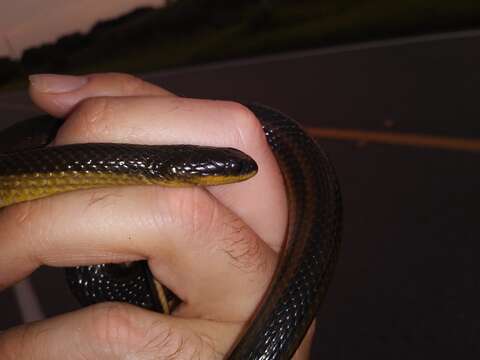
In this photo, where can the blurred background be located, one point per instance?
(389, 88)
(148, 35)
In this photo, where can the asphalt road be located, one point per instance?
(407, 285)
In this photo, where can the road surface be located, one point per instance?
(407, 285)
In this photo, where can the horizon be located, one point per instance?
(28, 23)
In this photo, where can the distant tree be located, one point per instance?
(72, 42)
(262, 15)
(108, 24)
(46, 58)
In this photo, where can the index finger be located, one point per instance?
(59, 94)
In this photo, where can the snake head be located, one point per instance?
(211, 166)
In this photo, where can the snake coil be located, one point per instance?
(307, 259)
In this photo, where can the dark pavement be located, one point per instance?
(407, 285)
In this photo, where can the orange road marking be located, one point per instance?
(439, 142)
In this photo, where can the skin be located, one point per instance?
(216, 248)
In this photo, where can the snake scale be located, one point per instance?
(29, 170)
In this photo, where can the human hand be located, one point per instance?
(216, 248)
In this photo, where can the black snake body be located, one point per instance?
(307, 259)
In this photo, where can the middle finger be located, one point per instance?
(198, 248)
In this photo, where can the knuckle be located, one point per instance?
(128, 84)
(196, 213)
(203, 213)
(112, 327)
(22, 215)
(92, 118)
(109, 320)
(117, 329)
(206, 223)
(102, 199)
(245, 124)
(27, 225)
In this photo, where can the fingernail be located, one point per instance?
(56, 84)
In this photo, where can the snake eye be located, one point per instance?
(242, 167)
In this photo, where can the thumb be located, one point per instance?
(59, 94)
(116, 331)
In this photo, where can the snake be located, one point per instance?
(31, 170)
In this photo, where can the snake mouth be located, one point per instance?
(212, 180)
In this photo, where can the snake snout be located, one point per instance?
(240, 165)
(215, 166)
